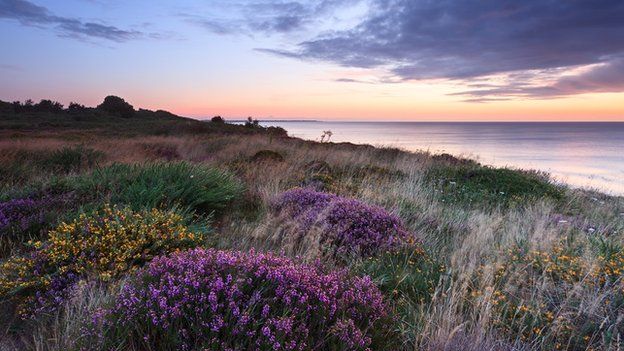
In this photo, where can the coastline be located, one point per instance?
(437, 242)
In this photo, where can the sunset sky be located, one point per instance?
(325, 59)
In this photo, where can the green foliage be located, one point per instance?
(490, 186)
(161, 185)
(409, 273)
(72, 159)
(407, 278)
(27, 165)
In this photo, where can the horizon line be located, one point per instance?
(410, 121)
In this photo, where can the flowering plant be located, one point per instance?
(206, 299)
(28, 215)
(348, 226)
(578, 302)
(103, 244)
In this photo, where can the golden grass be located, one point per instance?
(472, 242)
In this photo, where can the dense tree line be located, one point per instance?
(113, 105)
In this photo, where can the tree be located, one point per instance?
(116, 106)
(17, 107)
(252, 123)
(217, 119)
(49, 106)
(75, 107)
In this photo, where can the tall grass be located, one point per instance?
(160, 185)
(483, 288)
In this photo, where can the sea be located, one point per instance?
(581, 154)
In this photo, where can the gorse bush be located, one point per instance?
(218, 300)
(348, 226)
(160, 185)
(103, 244)
(578, 305)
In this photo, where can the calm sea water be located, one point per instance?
(581, 154)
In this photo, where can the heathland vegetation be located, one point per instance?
(124, 229)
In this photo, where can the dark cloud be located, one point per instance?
(269, 16)
(602, 78)
(349, 80)
(465, 39)
(214, 26)
(278, 16)
(30, 14)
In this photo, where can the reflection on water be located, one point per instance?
(581, 154)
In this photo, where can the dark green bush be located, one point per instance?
(491, 186)
(408, 279)
(167, 185)
(409, 273)
(72, 159)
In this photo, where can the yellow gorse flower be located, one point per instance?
(104, 244)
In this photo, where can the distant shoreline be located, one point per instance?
(424, 122)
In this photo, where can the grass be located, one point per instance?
(510, 260)
(159, 185)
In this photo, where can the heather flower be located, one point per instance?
(206, 299)
(30, 214)
(348, 226)
(103, 244)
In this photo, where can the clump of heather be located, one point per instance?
(29, 215)
(348, 226)
(103, 245)
(205, 299)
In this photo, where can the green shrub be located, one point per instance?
(407, 278)
(409, 273)
(491, 186)
(160, 185)
(72, 159)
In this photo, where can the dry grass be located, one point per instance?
(473, 242)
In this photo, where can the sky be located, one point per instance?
(422, 60)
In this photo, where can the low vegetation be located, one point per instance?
(141, 230)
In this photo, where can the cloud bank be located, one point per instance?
(462, 40)
(29, 14)
(268, 16)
